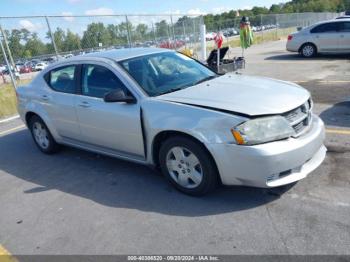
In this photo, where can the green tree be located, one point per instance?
(141, 31)
(25, 34)
(14, 41)
(275, 9)
(162, 29)
(71, 42)
(95, 34)
(34, 46)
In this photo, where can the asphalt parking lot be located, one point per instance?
(77, 202)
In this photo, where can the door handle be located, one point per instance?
(84, 104)
(45, 98)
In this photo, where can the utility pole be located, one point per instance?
(8, 48)
(52, 36)
(128, 31)
(8, 65)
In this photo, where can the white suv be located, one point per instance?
(326, 37)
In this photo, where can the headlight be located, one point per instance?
(262, 130)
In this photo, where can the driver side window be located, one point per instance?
(97, 81)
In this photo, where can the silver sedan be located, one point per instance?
(161, 108)
(326, 37)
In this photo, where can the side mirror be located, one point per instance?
(118, 95)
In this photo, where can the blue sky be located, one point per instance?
(78, 7)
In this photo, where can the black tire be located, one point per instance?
(207, 167)
(52, 146)
(308, 50)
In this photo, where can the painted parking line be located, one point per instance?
(9, 119)
(338, 131)
(6, 256)
(324, 81)
(6, 132)
(289, 62)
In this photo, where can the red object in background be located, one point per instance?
(25, 69)
(218, 40)
(172, 44)
(290, 37)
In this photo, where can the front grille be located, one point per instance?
(300, 117)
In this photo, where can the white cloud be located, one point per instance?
(196, 11)
(221, 9)
(68, 16)
(100, 11)
(247, 7)
(174, 12)
(30, 26)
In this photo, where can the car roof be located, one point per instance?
(126, 53)
(344, 17)
(329, 21)
(114, 54)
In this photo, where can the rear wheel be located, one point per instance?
(188, 166)
(42, 136)
(308, 50)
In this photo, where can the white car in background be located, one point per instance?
(40, 66)
(2, 68)
(326, 37)
(210, 36)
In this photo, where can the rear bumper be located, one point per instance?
(293, 46)
(272, 164)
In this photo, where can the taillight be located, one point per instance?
(290, 37)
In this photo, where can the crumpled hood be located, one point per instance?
(247, 95)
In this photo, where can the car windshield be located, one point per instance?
(166, 72)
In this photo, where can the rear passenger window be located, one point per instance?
(345, 27)
(62, 79)
(326, 28)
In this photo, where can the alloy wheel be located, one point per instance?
(308, 51)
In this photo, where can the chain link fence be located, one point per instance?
(31, 43)
(265, 27)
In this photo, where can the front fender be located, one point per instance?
(206, 125)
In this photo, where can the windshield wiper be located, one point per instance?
(184, 86)
(170, 91)
(205, 79)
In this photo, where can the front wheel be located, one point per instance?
(188, 166)
(308, 50)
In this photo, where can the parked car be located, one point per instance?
(210, 36)
(68, 56)
(161, 108)
(326, 37)
(2, 68)
(14, 72)
(19, 66)
(25, 69)
(343, 17)
(172, 44)
(40, 66)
